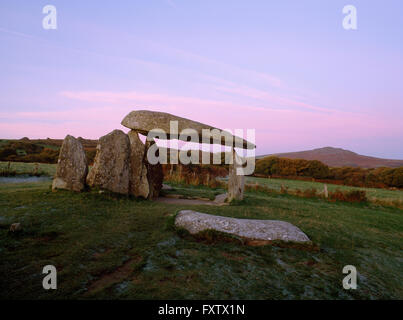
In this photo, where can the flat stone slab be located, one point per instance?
(144, 121)
(250, 229)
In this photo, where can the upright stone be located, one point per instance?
(72, 166)
(155, 174)
(111, 168)
(236, 183)
(138, 182)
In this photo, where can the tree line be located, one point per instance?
(23, 151)
(313, 169)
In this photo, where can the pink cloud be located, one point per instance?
(276, 129)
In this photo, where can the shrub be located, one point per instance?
(310, 193)
(349, 196)
(352, 176)
(6, 152)
(292, 167)
(356, 196)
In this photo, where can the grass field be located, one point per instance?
(28, 168)
(372, 193)
(111, 247)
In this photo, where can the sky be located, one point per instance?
(287, 69)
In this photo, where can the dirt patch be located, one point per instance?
(118, 275)
(186, 201)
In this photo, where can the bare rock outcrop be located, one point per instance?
(248, 229)
(72, 166)
(111, 168)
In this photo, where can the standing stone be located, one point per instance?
(72, 166)
(138, 184)
(236, 183)
(155, 175)
(111, 168)
(325, 192)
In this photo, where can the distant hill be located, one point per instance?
(337, 157)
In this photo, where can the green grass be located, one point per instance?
(372, 193)
(114, 247)
(22, 168)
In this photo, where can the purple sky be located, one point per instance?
(287, 69)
